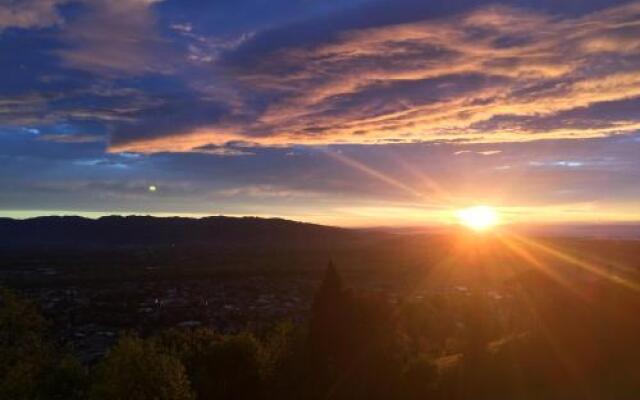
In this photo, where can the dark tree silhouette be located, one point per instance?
(31, 365)
(352, 343)
(330, 319)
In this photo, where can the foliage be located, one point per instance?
(136, 370)
(31, 365)
(229, 368)
(420, 378)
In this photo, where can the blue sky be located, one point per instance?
(354, 112)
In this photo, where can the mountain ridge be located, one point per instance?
(132, 231)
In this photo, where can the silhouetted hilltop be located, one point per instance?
(132, 231)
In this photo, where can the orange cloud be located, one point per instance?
(436, 80)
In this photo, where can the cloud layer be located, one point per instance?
(492, 74)
(369, 73)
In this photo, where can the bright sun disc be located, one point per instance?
(478, 218)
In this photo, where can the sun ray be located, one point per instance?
(374, 173)
(521, 251)
(587, 266)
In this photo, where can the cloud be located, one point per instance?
(207, 49)
(95, 104)
(223, 151)
(99, 36)
(30, 14)
(453, 77)
(379, 73)
(71, 138)
(115, 37)
(176, 111)
(20, 109)
(265, 192)
(479, 152)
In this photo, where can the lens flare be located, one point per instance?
(478, 218)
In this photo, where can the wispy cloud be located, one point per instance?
(488, 75)
(116, 37)
(479, 152)
(482, 74)
(29, 14)
(71, 138)
(224, 151)
(95, 103)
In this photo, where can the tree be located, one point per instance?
(282, 362)
(352, 348)
(186, 344)
(420, 378)
(230, 368)
(329, 316)
(31, 365)
(235, 366)
(136, 370)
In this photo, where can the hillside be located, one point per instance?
(134, 231)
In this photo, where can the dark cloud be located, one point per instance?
(327, 28)
(116, 37)
(71, 138)
(174, 114)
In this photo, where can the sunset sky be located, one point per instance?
(346, 112)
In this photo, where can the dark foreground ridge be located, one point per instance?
(131, 231)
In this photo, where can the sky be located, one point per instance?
(343, 112)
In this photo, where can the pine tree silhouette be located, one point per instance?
(330, 292)
(328, 328)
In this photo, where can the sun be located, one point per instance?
(478, 218)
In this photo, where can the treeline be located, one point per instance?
(541, 338)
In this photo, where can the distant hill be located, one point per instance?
(624, 231)
(135, 231)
